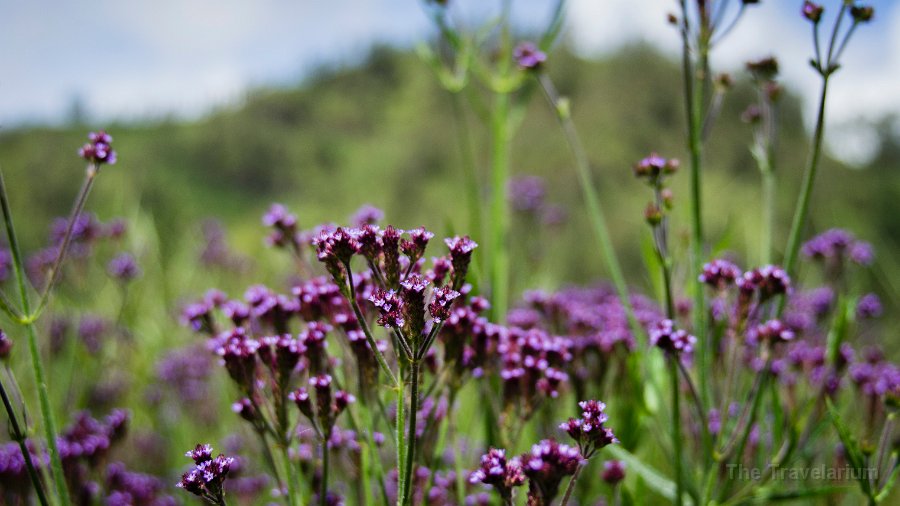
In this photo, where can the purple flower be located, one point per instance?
(390, 306)
(123, 267)
(5, 264)
(500, 473)
(772, 331)
(588, 431)
(526, 193)
(836, 244)
(441, 303)
(6, 345)
(208, 475)
(654, 166)
(812, 11)
(674, 341)
(461, 249)
(769, 281)
(719, 274)
(414, 248)
(546, 465)
(98, 150)
(283, 225)
(528, 56)
(869, 306)
(367, 215)
(613, 471)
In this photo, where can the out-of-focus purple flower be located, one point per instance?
(752, 114)
(283, 225)
(6, 345)
(123, 267)
(812, 11)
(546, 465)
(98, 150)
(5, 264)
(654, 166)
(764, 69)
(528, 56)
(187, 372)
(367, 215)
(613, 471)
(125, 488)
(869, 306)
(91, 331)
(769, 281)
(719, 274)
(772, 331)
(674, 341)
(836, 244)
(498, 472)
(526, 193)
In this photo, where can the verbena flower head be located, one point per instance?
(528, 56)
(123, 267)
(812, 11)
(207, 477)
(441, 302)
(613, 471)
(772, 331)
(673, 341)
(654, 166)
(764, 69)
(546, 465)
(769, 281)
(367, 215)
(98, 150)
(461, 249)
(500, 473)
(589, 431)
(869, 306)
(390, 306)
(283, 225)
(415, 246)
(719, 274)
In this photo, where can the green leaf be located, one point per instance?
(654, 479)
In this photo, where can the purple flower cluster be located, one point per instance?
(207, 477)
(283, 225)
(123, 267)
(833, 246)
(588, 431)
(500, 473)
(875, 377)
(532, 367)
(546, 465)
(720, 274)
(98, 150)
(673, 341)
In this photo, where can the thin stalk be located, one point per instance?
(56, 269)
(37, 366)
(365, 327)
(19, 436)
(499, 223)
(571, 487)
(592, 199)
(471, 175)
(693, 97)
(401, 444)
(768, 215)
(323, 483)
(677, 442)
(802, 208)
(411, 433)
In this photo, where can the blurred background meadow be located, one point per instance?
(219, 109)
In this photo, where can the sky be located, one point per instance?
(131, 59)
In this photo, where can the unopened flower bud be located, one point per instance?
(812, 11)
(653, 215)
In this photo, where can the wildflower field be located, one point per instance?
(487, 272)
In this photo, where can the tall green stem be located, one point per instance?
(19, 437)
(411, 432)
(768, 215)
(592, 199)
(499, 224)
(37, 366)
(677, 442)
(571, 487)
(809, 178)
(323, 483)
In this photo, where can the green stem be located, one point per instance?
(592, 199)
(499, 213)
(768, 215)
(471, 175)
(411, 433)
(676, 430)
(401, 444)
(323, 483)
(571, 487)
(802, 209)
(19, 437)
(365, 327)
(37, 366)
